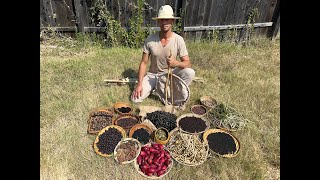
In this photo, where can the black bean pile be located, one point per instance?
(124, 109)
(192, 124)
(142, 135)
(200, 110)
(109, 140)
(127, 122)
(99, 120)
(163, 119)
(221, 143)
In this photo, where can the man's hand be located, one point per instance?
(172, 62)
(137, 93)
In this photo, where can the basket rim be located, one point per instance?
(236, 140)
(96, 149)
(125, 140)
(122, 104)
(136, 166)
(199, 105)
(90, 119)
(124, 115)
(139, 126)
(207, 122)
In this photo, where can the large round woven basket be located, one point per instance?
(236, 141)
(95, 147)
(193, 115)
(171, 144)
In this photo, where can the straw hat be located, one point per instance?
(165, 12)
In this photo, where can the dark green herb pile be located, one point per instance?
(109, 140)
(163, 119)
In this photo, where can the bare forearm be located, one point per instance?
(142, 72)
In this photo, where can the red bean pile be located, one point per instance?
(153, 160)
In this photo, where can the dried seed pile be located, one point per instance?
(187, 149)
(221, 143)
(99, 120)
(142, 135)
(163, 119)
(127, 151)
(161, 134)
(124, 109)
(127, 122)
(192, 124)
(200, 110)
(109, 140)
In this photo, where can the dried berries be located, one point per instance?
(163, 119)
(221, 143)
(108, 140)
(192, 124)
(124, 109)
(142, 135)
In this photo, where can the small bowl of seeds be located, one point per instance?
(199, 109)
(122, 107)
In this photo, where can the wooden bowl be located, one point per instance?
(139, 126)
(208, 101)
(236, 141)
(199, 106)
(119, 105)
(159, 141)
(126, 115)
(95, 147)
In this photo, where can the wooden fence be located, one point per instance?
(198, 16)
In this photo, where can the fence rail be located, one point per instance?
(196, 15)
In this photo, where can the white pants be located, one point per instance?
(150, 80)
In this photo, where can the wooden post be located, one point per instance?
(273, 31)
(82, 14)
(182, 15)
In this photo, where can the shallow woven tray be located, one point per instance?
(237, 143)
(96, 149)
(136, 166)
(138, 145)
(193, 115)
(109, 111)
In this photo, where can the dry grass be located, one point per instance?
(71, 81)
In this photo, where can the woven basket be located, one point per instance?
(237, 143)
(96, 149)
(136, 166)
(173, 139)
(125, 140)
(207, 122)
(208, 101)
(201, 106)
(108, 111)
(139, 126)
(120, 105)
(123, 116)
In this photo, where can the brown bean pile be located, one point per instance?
(127, 122)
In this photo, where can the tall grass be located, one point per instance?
(71, 81)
